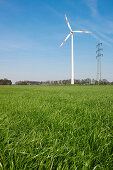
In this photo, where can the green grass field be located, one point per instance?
(56, 127)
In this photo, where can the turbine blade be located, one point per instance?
(82, 31)
(65, 40)
(68, 23)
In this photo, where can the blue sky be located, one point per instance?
(32, 30)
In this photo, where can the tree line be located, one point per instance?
(87, 81)
(5, 82)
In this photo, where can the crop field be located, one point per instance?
(56, 127)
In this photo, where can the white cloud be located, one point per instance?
(92, 4)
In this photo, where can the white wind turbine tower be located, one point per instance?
(72, 57)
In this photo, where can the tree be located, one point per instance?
(5, 82)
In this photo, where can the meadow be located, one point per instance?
(56, 127)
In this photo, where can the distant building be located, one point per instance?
(33, 83)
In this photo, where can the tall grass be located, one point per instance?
(56, 127)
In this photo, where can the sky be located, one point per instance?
(31, 32)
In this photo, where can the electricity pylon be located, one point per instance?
(99, 54)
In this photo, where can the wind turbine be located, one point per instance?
(72, 57)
